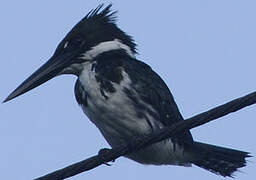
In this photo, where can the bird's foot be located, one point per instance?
(103, 156)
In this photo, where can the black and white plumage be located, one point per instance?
(124, 97)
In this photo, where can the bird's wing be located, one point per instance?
(153, 90)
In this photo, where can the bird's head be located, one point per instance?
(95, 34)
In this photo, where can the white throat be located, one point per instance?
(107, 46)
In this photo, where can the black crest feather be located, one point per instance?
(104, 14)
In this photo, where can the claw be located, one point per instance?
(102, 155)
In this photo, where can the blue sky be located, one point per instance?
(204, 50)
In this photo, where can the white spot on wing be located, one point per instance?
(107, 46)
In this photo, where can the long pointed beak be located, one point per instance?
(46, 72)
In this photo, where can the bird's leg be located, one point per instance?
(102, 155)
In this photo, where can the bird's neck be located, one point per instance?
(107, 46)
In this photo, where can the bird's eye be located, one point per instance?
(78, 42)
(73, 43)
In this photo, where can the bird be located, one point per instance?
(124, 97)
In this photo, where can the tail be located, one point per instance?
(219, 160)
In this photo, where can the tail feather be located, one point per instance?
(219, 160)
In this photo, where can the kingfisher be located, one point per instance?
(124, 97)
